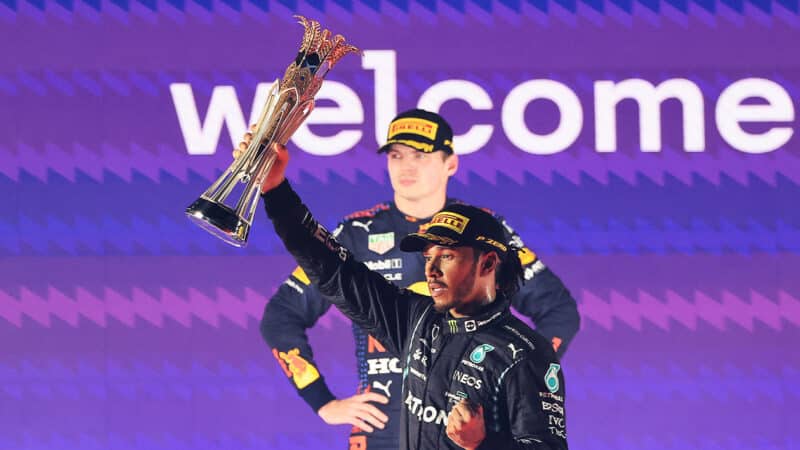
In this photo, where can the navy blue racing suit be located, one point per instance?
(372, 236)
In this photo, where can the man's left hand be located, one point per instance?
(465, 425)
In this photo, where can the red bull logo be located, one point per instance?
(302, 372)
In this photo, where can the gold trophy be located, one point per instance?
(290, 101)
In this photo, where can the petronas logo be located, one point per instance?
(479, 354)
(551, 378)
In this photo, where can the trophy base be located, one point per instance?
(219, 220)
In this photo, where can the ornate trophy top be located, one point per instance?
(319, 52)
(288, 104)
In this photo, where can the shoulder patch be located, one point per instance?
(370, 212)
(300, 274)
(526, 256)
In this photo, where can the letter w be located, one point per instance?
(222, 108)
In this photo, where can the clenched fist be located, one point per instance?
(465, 425)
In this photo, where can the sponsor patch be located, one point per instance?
(551, 377)
(301, 276)
(418, 374)
(322, 235)
(413, 125)
(303, 373)
(467, 379)
(552, 396)
(382, 387)
(492, 242)
(385, 264)
(455, 398)
(453, 326)
(363, 225)
(383, 366)
(514, 351)
(452, 221)
(468, 363)
(425, 413)
(479, 354)
(381, 243)
(470, 325)
(526, 256)
(533, 269)
(555, 408)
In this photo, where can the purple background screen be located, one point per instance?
(123, 326)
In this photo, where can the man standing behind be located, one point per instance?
(420, 161)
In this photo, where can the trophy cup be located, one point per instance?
(289, 102)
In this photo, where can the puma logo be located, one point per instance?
(384, 387)
(514, 350)
(363, 225)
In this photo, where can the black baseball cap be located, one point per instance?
(423, 130)
(460, 225)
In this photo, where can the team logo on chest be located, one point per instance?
(479, 354)
(381, 243)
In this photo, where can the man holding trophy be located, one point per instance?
(420, 160)
(473, 375)
(419, 165)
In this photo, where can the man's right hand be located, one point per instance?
(356, 410)
(276, 173)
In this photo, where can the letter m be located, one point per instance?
(649, 99)
(202, 139)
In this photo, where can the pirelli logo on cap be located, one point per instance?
(413, 125)
(453, 221)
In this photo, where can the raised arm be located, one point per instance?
(373, 303)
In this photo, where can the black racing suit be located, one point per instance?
(493, 358)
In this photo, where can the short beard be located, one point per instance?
(459, 292)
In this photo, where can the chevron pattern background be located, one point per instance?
(122, 326)
(454, 12)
